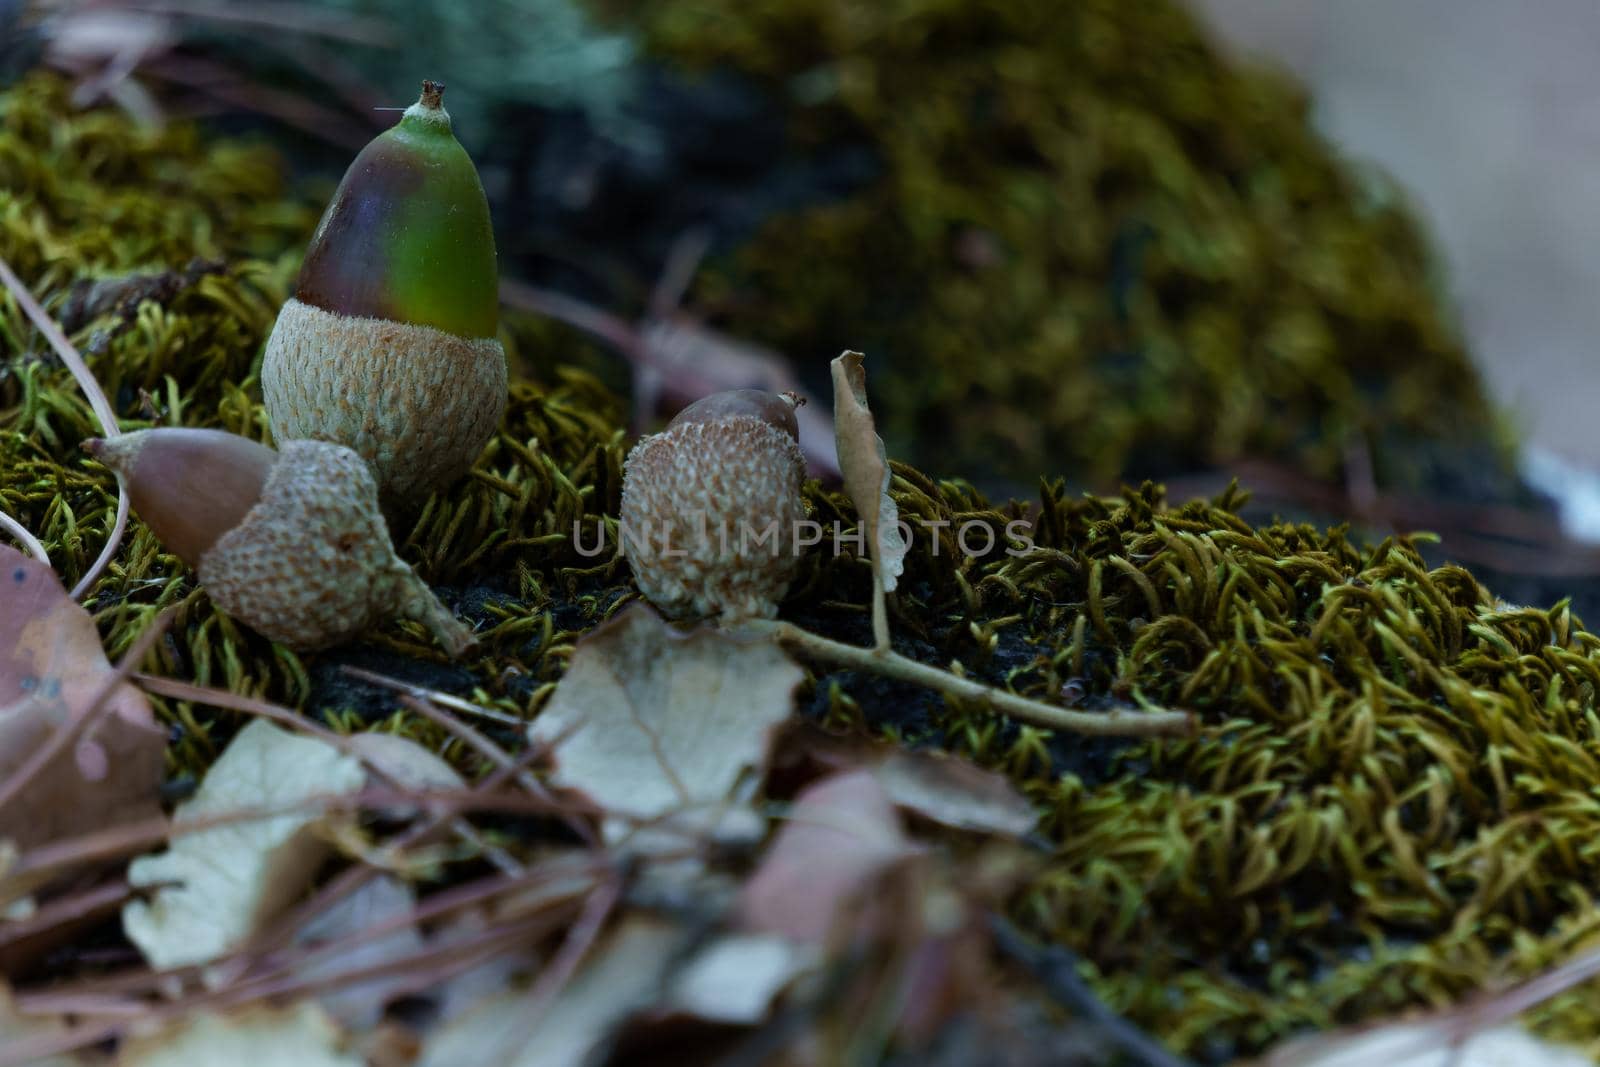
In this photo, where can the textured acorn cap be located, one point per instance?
(416, 403)
(312, 565)
(711, 508)
(388, 344)
(290, 543)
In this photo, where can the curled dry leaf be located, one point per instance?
(221, 883)
(298, 1036)
(650, 722)
(52, 669)
(865, 465)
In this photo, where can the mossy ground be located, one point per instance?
(1392, 802)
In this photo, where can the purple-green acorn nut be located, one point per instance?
(388, 345)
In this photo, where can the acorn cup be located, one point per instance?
(291, 543)
(711, 507)
(388, 344)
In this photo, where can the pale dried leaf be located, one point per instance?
(1425, 1043)
(955, 793)
(624, 975)
(51, 669)
(405, 763)
(841, 834)
(230, 879)
(650, 721)
(735, 978)
(865, 466)
(382, 899)
(298, 1036)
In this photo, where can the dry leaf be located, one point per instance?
(230, 879)
(649, 721)
(841, 834)
(735, 978)
(406, 763)
(933, 785)
(298, 1036)
(865, 465)
(624, 975)
(1436, 1042)
(359, 1005)
(955, 793)
(52, 667)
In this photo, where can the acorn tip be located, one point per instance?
(432, 94)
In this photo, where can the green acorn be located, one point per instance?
(388, 345)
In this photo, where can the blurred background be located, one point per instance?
(1343, 252)
(1490, 115)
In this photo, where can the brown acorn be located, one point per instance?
(291, 543)
(388, 344)
(711, 507)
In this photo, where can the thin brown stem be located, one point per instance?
(891, 664)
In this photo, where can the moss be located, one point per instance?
(1392, 803)
(1094, 244)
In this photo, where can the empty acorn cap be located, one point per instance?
(189, 486)
(407, 237)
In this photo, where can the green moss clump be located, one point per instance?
(1094, 245)
(1392, 803)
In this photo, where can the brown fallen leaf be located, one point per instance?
(842, 882)
(929, 784)
(865, 465)
(53, 673)
(842, 833)
(650, 721)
